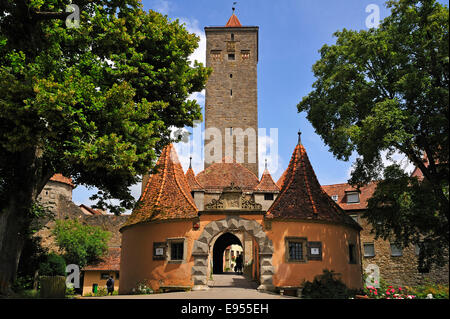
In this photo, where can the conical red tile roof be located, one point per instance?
(267, 184)
(167, 194)
(302, 197)
(192, 180)
(281, 179)
(233, 22)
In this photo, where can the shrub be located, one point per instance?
(326, 286)
(142, 289)
(54, 265)
(438, 291)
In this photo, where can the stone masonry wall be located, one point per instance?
(231, 91)
(398, 270)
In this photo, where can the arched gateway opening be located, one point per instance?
(223, 241)
(202, 248)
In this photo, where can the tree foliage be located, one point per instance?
(386, 90)
(94, 103)
(80, 244)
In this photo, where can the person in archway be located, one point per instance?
(239, 262)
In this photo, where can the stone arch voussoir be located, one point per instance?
(201, 249)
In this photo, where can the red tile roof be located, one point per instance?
(233, 22)
(221, 175)
(281, 179)
(341, 189)
(302, 197)
(62, 179)
(111, 261)
(167, 194)
(192, 180)
(267, 184)
(92, 210)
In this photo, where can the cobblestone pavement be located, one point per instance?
(224, 286)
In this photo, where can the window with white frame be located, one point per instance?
(396, 250)
(176, 249)
(369, 250)
(352, 197)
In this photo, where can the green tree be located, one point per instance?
(386, 90)
(80, 244)
(94, 103)
(53, 265)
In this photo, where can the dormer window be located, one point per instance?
(352, 197)
(335, 197)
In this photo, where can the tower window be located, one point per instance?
(232, 37)
(231, 92)
(231, 76)
(231, 57)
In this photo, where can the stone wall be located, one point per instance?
(398, 270)
(66, 209)
(231, 92)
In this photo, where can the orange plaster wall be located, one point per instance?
(93, 277)
(137, 262)
(334, 240)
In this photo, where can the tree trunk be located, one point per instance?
(23, 184)
(13, 228)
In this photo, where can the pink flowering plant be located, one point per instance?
(388, 293)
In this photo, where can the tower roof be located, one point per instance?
(194, 184)
(233, 22)
(221, 175)
(167, 193)
(267, 184)
(302, 197)
(62, 179)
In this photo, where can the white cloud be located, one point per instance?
(161, 6)
(268, 149)
(396, 158)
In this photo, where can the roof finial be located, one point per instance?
(190, 161)
(234, 3)
(265, 166)
(299, 137)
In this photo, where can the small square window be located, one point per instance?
(296, 249)
(104, 275)
(417, 249)
(369, 250)
(268, 196)
(352, 197)
(396, 250)
(176, 251)
(231, 57)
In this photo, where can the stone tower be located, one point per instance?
(231, 94)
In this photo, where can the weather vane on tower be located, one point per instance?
(234, 6)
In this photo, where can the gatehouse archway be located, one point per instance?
(221, 243)
(202, 248)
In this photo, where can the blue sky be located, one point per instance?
(290, 34)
